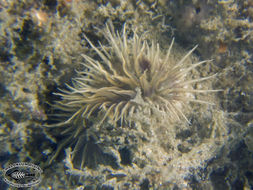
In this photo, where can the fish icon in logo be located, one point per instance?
(18, 175)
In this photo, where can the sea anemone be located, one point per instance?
(129, 76)
(130, 69)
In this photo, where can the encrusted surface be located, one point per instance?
(41, 46)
